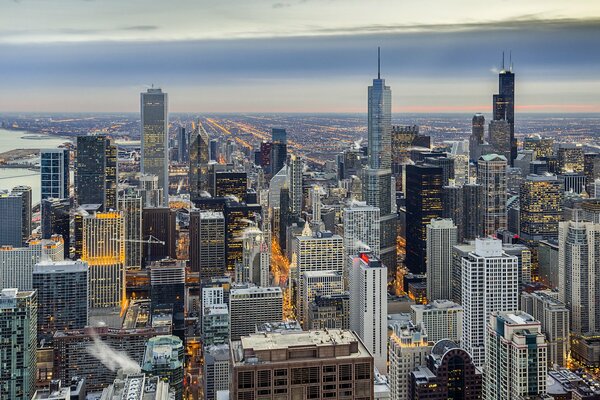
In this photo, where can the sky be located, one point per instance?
(297, 55)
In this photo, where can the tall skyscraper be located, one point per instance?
(489, 283)
(540, 207)
(183, 145)
(423, 203)
(199, 159)
(278, 150)
(216, 370)
(26, 209)
(11, 214)
(477, 136)
(155, 137)
(361, 231)
(491, 174)
(152, 195)
(56, 220)
(55, 173)
(207, 243)
(130, 204)
(167, 289)
(161, 224)
(368, 305)
(441, 238)
(473, 211)
(296, 194)
(502, 128)
(18, 352)
(96, 171)
(380, 123)
(516, 351)
(231, 184)
(571, 158)
(252, 306)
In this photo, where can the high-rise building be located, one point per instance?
(361, 231)
(500, 138)
(55, 173)
(62, 290)
(130, 204)
(26, 209)
(379, 123)
(573, 182)
(368, 305)
(423, 203)
(18, 344)
(442, 319)
(296, 170)
(164, 358)
(504, 115)
(278, 150)
(136, 386)
(103, 248)
(516, 357)
(450, 374)
(154, 133)
(231, 184)
(453, 207)
(329, 312)
(207, 243)
(473, 211)
(96, 171)
(167, 290)
(441, 238)
(238, 218)
(541, 146)
(491, 174)
(13, 226)
(199, 158)
(304, 365)
(252, 306)
(403, 138)
(215, 324)
(571, 158)
(578, 257)
(408, 349)
(477, 136)
(152, 195)
(540, 204)
(183, 145)
(545, 307)
(56, 220)
(216, 370)
(447, 166)
(489, 283)
(318, 283)
(161, 224)
(591, 168)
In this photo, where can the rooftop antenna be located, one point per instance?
(502, 61)
(510, 60)
(378, 62)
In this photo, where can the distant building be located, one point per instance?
(154, 133)
(96, 171)
(164, 358)
(540, 207)
(56, 220)
(55, 173)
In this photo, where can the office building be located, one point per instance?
(167, 290)
(238, 218)
(473, 211)
(453, 207)
(152, 195)
(441, 238)
(18, 352)
(578, 255)
(154, 132)
(278, 151)
(303, 365)
(215, 324)
(476, 139)
(216, 370)
(96, 172)
(318, 283)
(489, 283)
(450, 374)
(130, 204)
(72, 390)
(408, 349)
(296, 168)
(55, 173)
(199, 177)
(160, 224)
(251, 306)
(571, 158)
(361, 225)
(423, 203)
(553, 315)
(491, 174)
(56, 220)
(368, 305)
(137, 386)
(164, 358)
(573, 182)
(502, 128)
(103, 248)
(207, 243)
(183, 145)
(11, 213)
(541, 146)
(62, 291)
(26, 210)
(442, 319)
(516, 357)
(231, 184)
(329, 312)
(540, 204)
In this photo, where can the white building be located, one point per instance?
(296, 170)
(130, 205)
(489, 284)
(442, 319)
(408, 349)
(442, 235)
(491, 174)
(368, 305)
(216, 370)
(361, 230)
(251, 306)
(516, 357)
(323, 283)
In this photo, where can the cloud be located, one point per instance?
(281, 5)
(140, 28)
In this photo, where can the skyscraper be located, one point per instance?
(207, 243)
(318, 283)
(56, 220)
(199, 159)
(252, 306)
(161, 224)
(11, 215)
(278, 150)
(55, 173)
(18, 333)
(164, 358)
(423, 203)
(155, 137)
(540, 207)
(379, 123)
(130, 204)
(96, 172)
(503, 135)
(442, 319)
(296, 195)
(26, 209)
(441, 237)
(477, 136)
(167, 289)
(491, 174)
(473, 211)
(183, 154)
(361, 231)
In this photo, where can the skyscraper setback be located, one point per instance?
(503, 135)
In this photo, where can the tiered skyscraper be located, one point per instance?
(502, 127)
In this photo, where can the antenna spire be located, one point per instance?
(502, 61)
(510, 60)
(378, 62)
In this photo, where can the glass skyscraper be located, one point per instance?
(54, 165)
(155, 138)
(504, 110)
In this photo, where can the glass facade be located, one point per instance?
(155, 137)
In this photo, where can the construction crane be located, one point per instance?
(150, 240)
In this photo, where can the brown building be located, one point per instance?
(159, 222)
(305, 365)
(450, 374)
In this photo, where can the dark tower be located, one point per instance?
(504, 108)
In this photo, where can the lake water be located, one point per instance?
(11, 177)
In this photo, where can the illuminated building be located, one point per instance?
(164, 358)
(55, 173)
(103, 248)
(322, 251)
(304, 365)
(545, 307)
(238, 217)
(500, 136)
(160, 223)
(402, 138)
(408, 349)
(540, 207)
(573, 182)
(502, 128)
(155, 138)
(199, 159)
(62, 290)
(423, 203)
(96, 171)
(442, 319)
(571, 158)
(231, 184)
(476, 139)
(137, 386)
(18, 333)
(318, 283)
(207, 243)
(329, 312)
(368, 305)
(167, 290)
(130, 204)
(489, 283)
(516, 357)
(56, 220)
(251, 306)
(450, 374)
(256, 258)
(491, 174)
(541, 146)
(441, 237)
(216, 370)
(447, 166)
(361, 231)
(17, 263)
